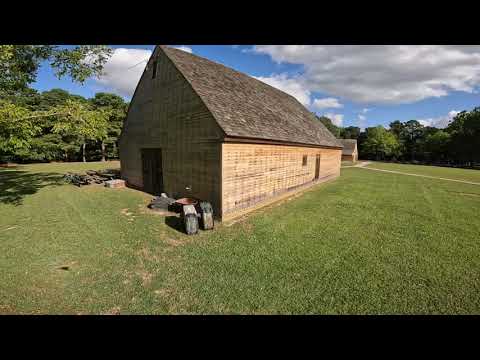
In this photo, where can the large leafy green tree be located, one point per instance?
(19, 64)
(17, 127)
(411, 137)
(81, 120)
(117, 108)
(465, 137)
(380, 144)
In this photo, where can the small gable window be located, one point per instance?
(154, 70)
(304, 160)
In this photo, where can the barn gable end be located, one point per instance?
(166, 113)
(350, 150)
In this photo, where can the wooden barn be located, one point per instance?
(350, 151)
(197, 128)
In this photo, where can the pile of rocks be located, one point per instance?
(92, 177)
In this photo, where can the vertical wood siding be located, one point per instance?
(166, 113)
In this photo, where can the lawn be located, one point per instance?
(366, 243)
(348, 163)
(437, 171)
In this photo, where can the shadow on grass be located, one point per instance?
(175, 222)
(16, 184)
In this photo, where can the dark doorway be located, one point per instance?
(152, 171)
(317, 167)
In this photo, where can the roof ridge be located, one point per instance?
(244, 106)
(231, 69)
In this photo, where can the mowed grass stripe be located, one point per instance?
(469, 175)
(366, 243)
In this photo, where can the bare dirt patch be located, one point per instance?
(162, 292)
(7, 309)
(173, 242)
(146, 254)
(145, 276)
(126, 212)
(113, 311)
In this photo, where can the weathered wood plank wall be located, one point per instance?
(352, 158)
(252, 173)
(166, 113)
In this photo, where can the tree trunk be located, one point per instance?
(115, 149)
(83, 152)
(103, 151)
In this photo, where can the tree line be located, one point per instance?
(456, 145)
(58, 126)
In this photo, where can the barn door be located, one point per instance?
(317, 167)
(152, 171)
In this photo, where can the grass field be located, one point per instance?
(347, 163)
(366, 243)
(438, 171)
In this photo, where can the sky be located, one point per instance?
(354, 85)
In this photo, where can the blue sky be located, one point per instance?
(353, 85)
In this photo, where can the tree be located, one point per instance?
(380, 144)
(81, 120)
(17, 127)
(436, 145)
(410, 137)
(19, 64)
(396, 127)
(18, 68)
(350, 132)
(465, 137)
(54, 97)
(335, 130)
(118, 110)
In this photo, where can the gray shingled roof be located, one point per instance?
(349, 146)
(246, 107)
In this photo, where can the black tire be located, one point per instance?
(191, 224)
(207, 221)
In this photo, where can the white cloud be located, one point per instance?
(362, 120)
(326, 103)
(289, 85)
(440, 122)
(124, 69)
(382, 74)
(184, 48)
(364, 111)
(337, 119)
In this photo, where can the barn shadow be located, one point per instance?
(16, 184)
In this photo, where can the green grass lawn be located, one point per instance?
(348, 163)
(438, 171)
(366, 243)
